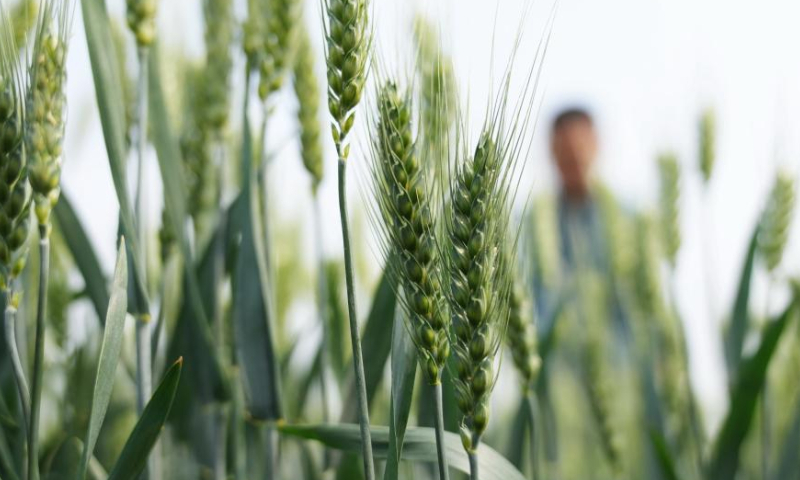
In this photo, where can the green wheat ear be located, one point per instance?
(437, 88)
(142, 21)
(14, 196)
(347, 48)
(478, 270)
(521, 336)
(670, 176)
(405, 207)
(46, 107)
(307, 92)
(707, 144)
(215, 85)
(775, 221)
(279, 32)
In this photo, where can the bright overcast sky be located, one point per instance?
(646, 68)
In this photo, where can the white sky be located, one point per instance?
(646, 68)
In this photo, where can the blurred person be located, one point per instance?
(576, 228)
(578, 265)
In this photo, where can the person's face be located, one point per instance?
(574, 147)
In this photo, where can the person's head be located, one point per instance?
(574, 147)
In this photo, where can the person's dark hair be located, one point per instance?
(571, 115)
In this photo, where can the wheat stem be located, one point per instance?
(358, 361)
(11, 343)
(533, 412)
(473, 463)
(444, 474)
(38, 355)
(766, 418)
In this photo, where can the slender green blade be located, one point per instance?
(419, 446)
(789, 467)
(253, 307)
(134, 454)
(83, 253)
(404, 369)
(376, 343)
(740, 317)
(664, 457)
(109, 357)
(744, 398)
(108, 89)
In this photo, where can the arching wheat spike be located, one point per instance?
(707, 144)
(670, 175)
(521, 336)
(46, 107)
(775, 221)
(347, 52)
(478, 272)
(278, 44)
(14, 196)
(307, 92)
(142, 21)
(407, 226)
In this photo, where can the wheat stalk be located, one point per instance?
(43, 137)
(348, 44)
(670, 177)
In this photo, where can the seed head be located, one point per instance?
(707, 144)
(670, 196)
(348, 41)
(307, 92)
(216, 82)
(14, 196)
(477, 266)
(46, 107)
(142, 21)
(278, 44)
(23, 18)
(775, 221)
(407, 226)
(521, 336)
(437, 88)
(647, 286)
(197, 140)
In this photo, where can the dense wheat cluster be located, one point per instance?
(471, 321)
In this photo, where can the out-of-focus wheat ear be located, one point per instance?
(707, 153)
(215, 85)
(23, 19)
(773, 232)
(348, 41)
(521, 336)
(437, 93)
(670, 192)
(279, 39)
(307, 93)
(142, 21)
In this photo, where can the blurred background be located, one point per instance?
(646, 70)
